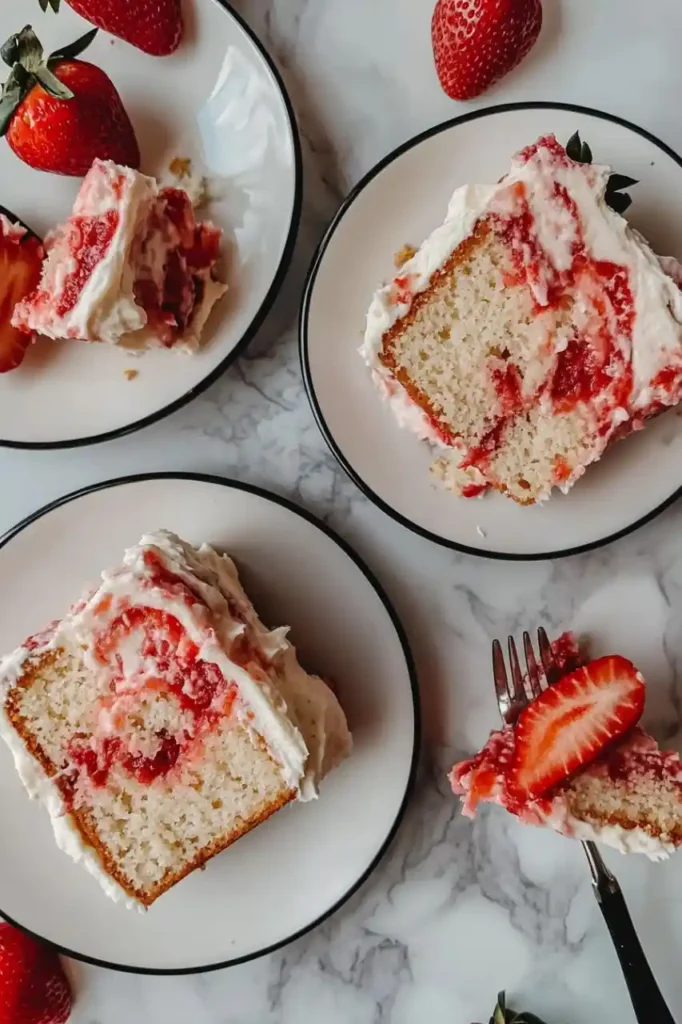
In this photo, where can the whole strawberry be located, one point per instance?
(476, 42)
(33, 986)
(60, 114)
(154, 26)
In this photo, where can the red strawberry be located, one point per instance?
(21, 255)
(33, 986)
(569, 725)
(60, 114)
(476, 42)
(154, 26)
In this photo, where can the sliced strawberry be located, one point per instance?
(33, 986)
(569, 725)
(20, 261)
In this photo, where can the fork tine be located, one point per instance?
(500, 677)
(518, 693)
(546, 656)
(532, 665)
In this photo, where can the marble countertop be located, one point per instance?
(457, 910)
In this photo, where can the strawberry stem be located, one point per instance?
(24, 54)
(503, 1015)
(73, 49)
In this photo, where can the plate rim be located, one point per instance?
(265, 306)
(303, 346)
(401, 633)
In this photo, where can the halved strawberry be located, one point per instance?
(569, 725)
(21, 255)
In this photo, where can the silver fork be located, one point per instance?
(647, 1000)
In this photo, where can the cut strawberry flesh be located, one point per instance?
(89, 241)
(20, 264)
(171, 294)
(572, 722)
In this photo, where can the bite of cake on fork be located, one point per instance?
(572, 756)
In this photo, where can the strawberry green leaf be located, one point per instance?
(73, 49)
(620, 181)
(52, 4)
(618, 201)
(503, 1015)
(500, 1013)
(12, 94)
(578, 150)
(23, 48)
(10, 51)
(51, 83)
(614, 197)
(574, 148)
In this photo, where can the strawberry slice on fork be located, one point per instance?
(572, 722)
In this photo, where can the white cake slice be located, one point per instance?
(159, 721)
(530, 330)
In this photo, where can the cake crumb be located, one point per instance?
(131, 374)
(481, 532)
(184, 176)
(180, 167)
(403, 255)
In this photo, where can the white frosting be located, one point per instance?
(656, 339)
(625, 840)
(296, 715)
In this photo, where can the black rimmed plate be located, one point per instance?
(400, 201)
(220, 102)
(294, 870)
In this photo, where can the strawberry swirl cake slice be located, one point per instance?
(530, 330)
(577, 761)
(131, 267)
(160, 721)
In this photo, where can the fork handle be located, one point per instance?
(647, 1001)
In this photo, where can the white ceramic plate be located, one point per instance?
(219, 101)
(400, 202)
(292, 871)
